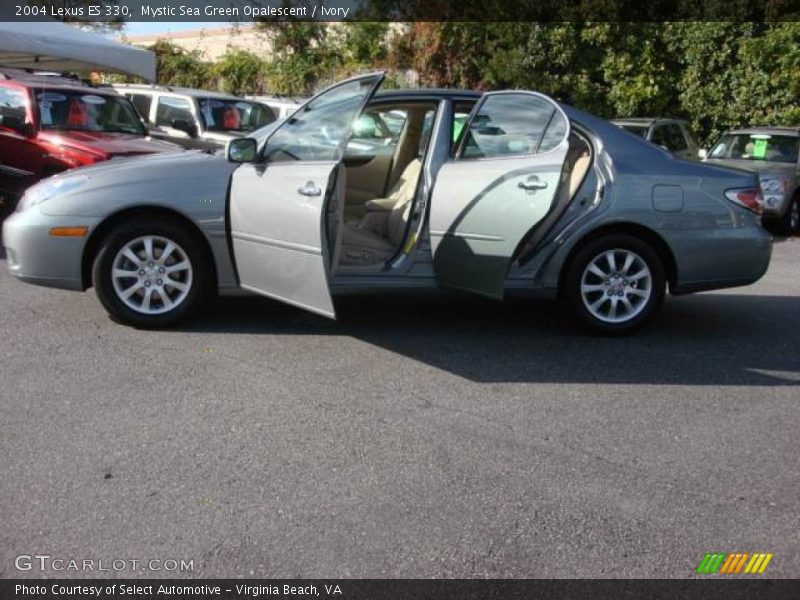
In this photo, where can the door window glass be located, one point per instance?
(461, 112)
(12, 108)
(316, 131)
(229, 114)
(376, 132)
(170, 109)
(427, 131)
(142, 103)
(514, 125)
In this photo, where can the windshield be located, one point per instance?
(757, 146)
(222, 114)
(636, 130)
(87, 111)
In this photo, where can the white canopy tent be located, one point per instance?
(54, 46)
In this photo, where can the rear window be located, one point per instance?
(669, 137)
(636, 130)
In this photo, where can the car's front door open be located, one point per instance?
(501, 184)
(278, 205)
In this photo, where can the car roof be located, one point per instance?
(39, 79)
(647, 121)
(426, 93)
(791, 131)
(177, 90)
(288, 100)
(77, 87)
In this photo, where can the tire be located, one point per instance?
(177, 284)
(788, 224)
(624, 299)
(8, 204)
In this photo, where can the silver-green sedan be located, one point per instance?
(529, 197)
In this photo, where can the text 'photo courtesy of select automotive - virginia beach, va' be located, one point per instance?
(402, 300)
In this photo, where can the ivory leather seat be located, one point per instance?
(380, 233)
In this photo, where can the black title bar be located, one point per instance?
(713, 588)
(401, 10)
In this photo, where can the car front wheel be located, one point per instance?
(150, 273)
(791, 221)
(615, 284)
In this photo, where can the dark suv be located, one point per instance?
(672, 135)
(50, 123)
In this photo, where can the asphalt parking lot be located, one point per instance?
(449, 438)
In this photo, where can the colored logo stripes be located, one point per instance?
(734, 563)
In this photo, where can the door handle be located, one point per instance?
(532, 184)
(310, 189)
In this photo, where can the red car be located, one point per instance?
(49, 124)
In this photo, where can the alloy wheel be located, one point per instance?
(152, 275)
(616, 285)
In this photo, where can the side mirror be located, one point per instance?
(702, 154)
(241, 150)
(17, 124)
(185, 125)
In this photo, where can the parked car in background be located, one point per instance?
(671, 134)
(196, 119)
(533, 198)
(773, 153)
(282, 106)
(50, 123)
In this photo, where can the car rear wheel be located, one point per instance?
(151, 273)
(615, 284)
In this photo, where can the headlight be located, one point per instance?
(49, 188)
(772, 184)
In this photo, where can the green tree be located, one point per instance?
(176, 66)
(240, 72)
(301, 55)
(737, 74)
(364, 44)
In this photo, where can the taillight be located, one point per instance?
(749, 198)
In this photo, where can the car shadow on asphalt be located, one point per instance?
(705, 339)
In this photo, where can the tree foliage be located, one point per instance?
(175, 66)
(716, 74)
(240, 72)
